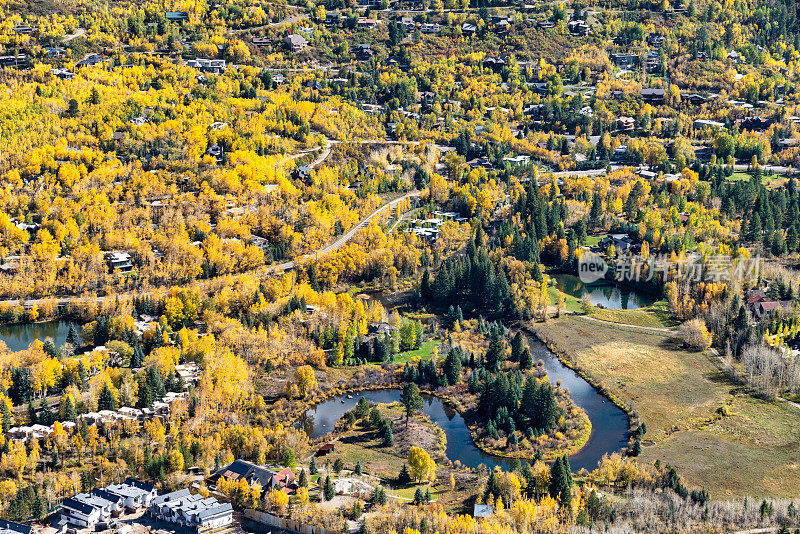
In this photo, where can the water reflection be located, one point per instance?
(20, 336)
(609, 423)
(604, 293)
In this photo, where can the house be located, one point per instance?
(295, 42)
(468, 29)
(699, 124)
(193, 511)
(54, 52)
(215, 151)
(620, 242)
(756, 124)
(325, 449)
(408, 24)
(260, 41)
(333, 18)
(23, 29)
(90, 61)
(544, 24)
(62, 73)
(626, 124)
(764, 307)
(9, 527)
(212, 66)
(430, 28)
(252, 473)
(119, 261)
(176, 16)
(653, 95)
(363, 51)
(134, 494)
(653, 61)
(13, 61)
(703, 153)
(483, 510)
(381, 328)
(625, 59)
(302, 172)
(104, 505)
(578, 27)
(696, 99)
(367, 23)
(79, 514)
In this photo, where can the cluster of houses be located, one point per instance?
(87, 510)
(429, 228)
(97, 508)
(184, 509)
(160, 409)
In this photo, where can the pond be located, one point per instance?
(609, 423)
(603, 292)
(18, 336)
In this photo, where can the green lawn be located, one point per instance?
(592, 241)
(426, 351)
(571, 304)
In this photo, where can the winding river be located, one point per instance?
(609, 423)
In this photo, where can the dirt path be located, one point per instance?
(638, 327)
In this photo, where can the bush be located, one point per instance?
(694, 334)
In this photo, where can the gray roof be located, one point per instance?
(208, 513)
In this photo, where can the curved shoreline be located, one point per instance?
(574, 448)
(567, 361)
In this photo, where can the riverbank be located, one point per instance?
(567, 361)
(698, 421)
(446, 396)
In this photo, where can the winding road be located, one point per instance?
(272, 269)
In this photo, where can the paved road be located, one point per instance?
(78, 33)
(289, 265)
(287, 20)
(344, 238)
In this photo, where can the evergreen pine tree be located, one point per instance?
(32, 413)
(7, 420)
(404, 477)
(516, 347)
(328, 490)
(312, 467)
(106, 400)
(72, 336)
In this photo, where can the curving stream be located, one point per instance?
(609, 423)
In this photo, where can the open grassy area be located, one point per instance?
(751, 451)
(425, 351)
(571, 304)
(770, 181)
(638, 317)
(669, 387)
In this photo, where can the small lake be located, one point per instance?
(604, 293)
(609, 423)
(20, 336)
